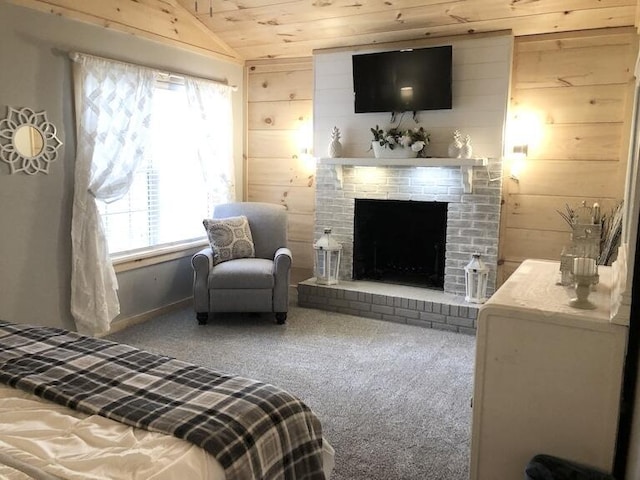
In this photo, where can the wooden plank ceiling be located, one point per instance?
(293, 28)
(239, 30)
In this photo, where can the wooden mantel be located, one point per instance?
(465, 164)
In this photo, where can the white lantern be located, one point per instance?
(476, 274)
(327, 259)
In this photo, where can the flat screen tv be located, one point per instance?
(403, 80)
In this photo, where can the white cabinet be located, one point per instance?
(547, 376)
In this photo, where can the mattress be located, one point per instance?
(43, 440)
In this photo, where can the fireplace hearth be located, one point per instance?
(400, 241)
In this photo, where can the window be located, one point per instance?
(168, 198)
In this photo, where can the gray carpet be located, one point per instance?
(394, 400)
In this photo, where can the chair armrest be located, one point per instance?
(281, 270)
(202, 262)
(282, 260)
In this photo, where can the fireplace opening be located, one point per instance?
(400, 241)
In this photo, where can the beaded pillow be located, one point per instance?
(230, 238)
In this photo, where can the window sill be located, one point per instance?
(131, 261)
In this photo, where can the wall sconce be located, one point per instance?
(518, 158)
(524, 133)
(304, 145)
(304, 138)
(521, 149)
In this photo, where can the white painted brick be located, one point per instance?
(473, 220)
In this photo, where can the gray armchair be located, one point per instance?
(259, 284)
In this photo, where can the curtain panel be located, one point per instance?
(113, 107)
(113, 102)
(211, 120)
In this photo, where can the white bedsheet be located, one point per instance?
(67, 444)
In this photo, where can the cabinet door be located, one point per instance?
(544, 386)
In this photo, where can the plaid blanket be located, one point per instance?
(255, 430)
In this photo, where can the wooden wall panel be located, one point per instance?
(280, 86)
(580, 86)
(583, 141)
(582, 104)
(301, 227)
(570, 67)
(281, 171)
(559, 177)
(279, 115)
(523, 243)
(585, 39)
(540, 212)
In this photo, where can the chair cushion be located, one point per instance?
(242, 273)
(230, 238)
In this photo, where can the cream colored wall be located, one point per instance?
(35, 220)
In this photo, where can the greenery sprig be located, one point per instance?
(416, 138)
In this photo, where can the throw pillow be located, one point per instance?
(230, 238)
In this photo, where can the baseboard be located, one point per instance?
(143, 317)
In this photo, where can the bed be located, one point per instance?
(78, 407)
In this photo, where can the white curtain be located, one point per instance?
(211, 118)
(113, 107)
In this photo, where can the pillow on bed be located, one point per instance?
(230, 238)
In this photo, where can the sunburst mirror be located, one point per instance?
(28, 141)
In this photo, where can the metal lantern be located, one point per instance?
(476, 274)
(327, 259)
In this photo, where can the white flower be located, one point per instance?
(417, 146)
(415, 138)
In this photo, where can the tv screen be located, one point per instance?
(404, 80)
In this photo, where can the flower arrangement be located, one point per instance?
(416, 139)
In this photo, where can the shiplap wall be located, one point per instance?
(279, 109)
(579, 85)
(481, 67)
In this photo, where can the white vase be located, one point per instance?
(398, 151)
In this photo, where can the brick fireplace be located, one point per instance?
(472, 226)
(481, 78)
(473, 219)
